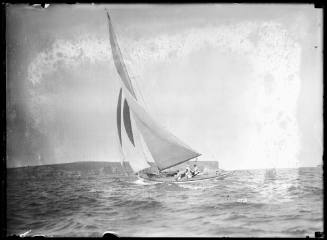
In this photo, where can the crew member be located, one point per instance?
(195, 171)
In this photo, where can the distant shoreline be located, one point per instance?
(55, 164)
(88, 168)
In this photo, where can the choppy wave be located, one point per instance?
(245, 204)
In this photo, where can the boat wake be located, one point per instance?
(195, 187)
(142, 182)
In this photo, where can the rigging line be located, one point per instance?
(137, 87)
(124, 168)
(143, 149)
(141, 95)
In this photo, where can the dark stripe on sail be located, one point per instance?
(119, 116)
(127, 122)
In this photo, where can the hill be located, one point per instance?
(86, 169)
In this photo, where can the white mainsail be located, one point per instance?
(166, 149)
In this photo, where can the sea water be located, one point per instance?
(243, 205)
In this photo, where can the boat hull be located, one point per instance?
(199, 178)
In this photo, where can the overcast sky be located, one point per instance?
(241, 84)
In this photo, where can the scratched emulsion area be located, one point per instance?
(244, 205)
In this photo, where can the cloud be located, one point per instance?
(68, 54)
(71, 53)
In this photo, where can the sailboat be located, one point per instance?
(158, 145)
